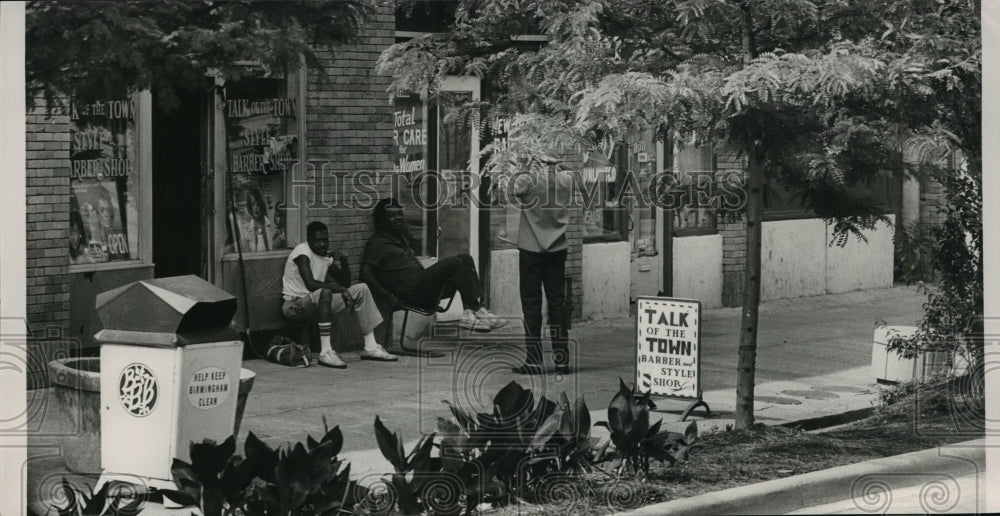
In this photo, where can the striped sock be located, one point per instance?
(324, 336)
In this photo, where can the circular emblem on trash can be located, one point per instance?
(208, 388)
(138, 390)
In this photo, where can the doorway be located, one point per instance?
(177, 142)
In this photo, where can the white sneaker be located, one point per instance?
(469, 321)
(488, 318)
(329, 358)
(378, 354)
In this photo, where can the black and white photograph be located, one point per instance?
(499, 257)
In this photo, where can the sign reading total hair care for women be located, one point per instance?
(668, 347)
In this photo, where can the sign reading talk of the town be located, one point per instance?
(104, 217)
(668, 347)
(208, 387)
(262, 134)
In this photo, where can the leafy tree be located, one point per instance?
(807, 91)
(86, 49)
(940, 44)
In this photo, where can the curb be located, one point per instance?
(847, 482)
(817, 423)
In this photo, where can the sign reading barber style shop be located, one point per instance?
(668, 347)
(104, 217)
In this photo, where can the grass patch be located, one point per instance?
(909, 418)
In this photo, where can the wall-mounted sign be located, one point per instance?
(208, 387)
(668, 347)
(138, 390)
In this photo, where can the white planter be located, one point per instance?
(890, 367)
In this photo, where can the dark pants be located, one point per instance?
(548, 270)
(455, 273)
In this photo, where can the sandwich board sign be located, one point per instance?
(668, 348)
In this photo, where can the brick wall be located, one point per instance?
(574, 235)
(349, 130)
(931, 200)
(47, 196)
(574, 262)
(733, 231)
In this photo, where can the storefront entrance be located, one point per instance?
(177, 143)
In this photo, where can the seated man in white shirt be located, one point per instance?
(311, 292)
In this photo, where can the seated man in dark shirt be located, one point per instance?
(393, 272)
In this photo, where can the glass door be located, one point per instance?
(455, 147)
(457, 144)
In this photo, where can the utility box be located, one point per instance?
(170, 372)
(888, 366)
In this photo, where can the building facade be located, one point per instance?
(222, 186)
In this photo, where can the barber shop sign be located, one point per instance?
(668, 347)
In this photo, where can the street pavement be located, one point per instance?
(957, 495)
(813, 360)
(946, 479)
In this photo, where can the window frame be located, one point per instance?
(695, 231)
(619, 231)
(143, 170)
(295, 85)
(890, 199)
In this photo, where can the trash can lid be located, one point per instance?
(166, 312)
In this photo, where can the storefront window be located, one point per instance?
(261, 145)
(104, 182)
(454, 153)
(603, 217)
(695, 171)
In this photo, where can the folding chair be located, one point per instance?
(407, 308)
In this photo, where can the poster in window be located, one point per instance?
(104, 219)
(252, 212)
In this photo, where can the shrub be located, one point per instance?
(635, 440)
(302, 479)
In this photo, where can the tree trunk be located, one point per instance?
(747, 363)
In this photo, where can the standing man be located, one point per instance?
(544, 198)
(311, 292)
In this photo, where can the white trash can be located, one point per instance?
(170, 373)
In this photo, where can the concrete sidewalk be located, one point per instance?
(814, 357)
